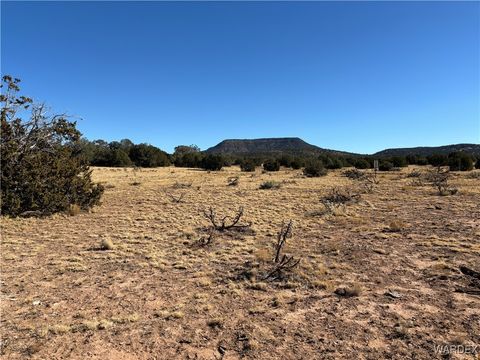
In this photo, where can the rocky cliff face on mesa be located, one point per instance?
(295, 145)
(269, 145)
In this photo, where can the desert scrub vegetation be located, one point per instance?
(439, 179)
(354, 174)
(271, 165)
(267, 185)
(337, 199)
(282, 262)
(314, 168)
(247, 165)
(227, 222)
(42, 170)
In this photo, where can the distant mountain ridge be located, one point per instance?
(429, 150)
(288, 145)
(295, 145)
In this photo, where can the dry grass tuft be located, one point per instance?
(74, 209)
(106, 244)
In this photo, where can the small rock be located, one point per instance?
(393, 294)
(36, 302)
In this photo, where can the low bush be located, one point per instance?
(314, 168)
(271, 165)
(385, 166)
(270, 185)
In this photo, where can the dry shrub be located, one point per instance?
(74, 209)
(270, 185)
(282, 262)
(439, 179)
(226, 222)
(396, 226)
(354, 174)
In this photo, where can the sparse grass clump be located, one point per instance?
(106, 244)
(349, 291)
(74, 209)
(396, 226)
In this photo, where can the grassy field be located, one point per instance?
(133, 279)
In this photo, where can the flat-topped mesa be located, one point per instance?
(290, 145)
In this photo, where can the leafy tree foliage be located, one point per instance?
(187, 156)
(146, 155)
(42, 170)
(212, 162)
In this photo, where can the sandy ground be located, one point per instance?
(158, 294)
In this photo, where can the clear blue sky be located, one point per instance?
(349, 76)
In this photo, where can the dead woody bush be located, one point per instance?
(226, 222)
(205, 240)
(175, 198)
(439, 179)
(282, 262)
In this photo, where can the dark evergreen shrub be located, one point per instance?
(437, 160)
(297, 163)
(43, 171)
(314, 168)
(399, 161)
(460, 161)
(361, 164)
(247, 165)
(271, 165)
(212, 162)
(385, 165)
(145, 155)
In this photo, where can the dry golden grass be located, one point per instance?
(156, 294)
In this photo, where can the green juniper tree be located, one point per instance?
(43, 171)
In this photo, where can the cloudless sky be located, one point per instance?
(349, 76)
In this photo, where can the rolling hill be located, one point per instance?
(296, 146)
(429, 150)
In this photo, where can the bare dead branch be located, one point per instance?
(175, 199)
(226, 222)
(205, 240)
(282, 262)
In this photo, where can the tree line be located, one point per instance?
(125, 153)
